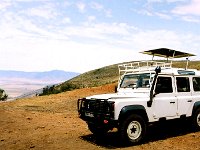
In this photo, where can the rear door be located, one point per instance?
(184, 95)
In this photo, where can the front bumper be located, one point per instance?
(98, 111)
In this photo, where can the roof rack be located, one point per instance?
(141, 66)
(150, 65)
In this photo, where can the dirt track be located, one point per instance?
(51, 122)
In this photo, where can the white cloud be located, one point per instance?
(101, 8)
(150, 39)
(66, 3)
(143, 12)
(108, 13)
(46, 11)
(24, 45)
(168, 1)
(157, 38)
(192, 8)
(154, 1)
(172, 1)
(28, 45)
(151, 14)
(101, 31)
(163, 16)
(81, 7)
(4, 5)
(14, 25)
(107, 44)
(91, 18)
(66, 20)
(186, 10)
(96, 6)
(190, 19)
(33, 54)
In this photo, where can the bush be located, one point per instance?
(68, 87)
(49, 90)
(54, 90)
(3, 95)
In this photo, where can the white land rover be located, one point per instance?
(146, 94)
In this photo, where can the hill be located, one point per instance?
(106, 75)
(94, 78)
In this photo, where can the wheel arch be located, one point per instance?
(133, 109)
(196, 106)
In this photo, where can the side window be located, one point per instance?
(183, 84)
(196, 83)
(164, 85)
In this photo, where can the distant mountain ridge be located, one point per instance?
(47, 75)
(16, 83)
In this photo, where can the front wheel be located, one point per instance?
(196, 119)
(133, 129)
(96, 130)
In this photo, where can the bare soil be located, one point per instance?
(51, 122)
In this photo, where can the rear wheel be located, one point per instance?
(196, 119)
(133, 129)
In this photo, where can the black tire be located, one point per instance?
(96, 130)
(196, 119)
(133, 129)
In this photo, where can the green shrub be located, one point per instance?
(68, 87)
(54, 90)
(3, 95)
(49, 90)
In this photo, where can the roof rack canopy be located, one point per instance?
(167, 53)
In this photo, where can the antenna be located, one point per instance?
(152, 56)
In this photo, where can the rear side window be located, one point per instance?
(183, 84)
(196, 83)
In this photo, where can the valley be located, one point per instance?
(17, 83)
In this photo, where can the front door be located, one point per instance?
(165, 101)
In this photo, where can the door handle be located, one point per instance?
(189, 100)
(172, 102)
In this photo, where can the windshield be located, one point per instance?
(136, 81)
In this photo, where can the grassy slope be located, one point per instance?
(109, 74)
(192, 64)
(94, 78)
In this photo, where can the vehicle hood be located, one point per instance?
(119, 96)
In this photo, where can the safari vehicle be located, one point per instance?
(148, 91)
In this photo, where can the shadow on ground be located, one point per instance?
(156, 132)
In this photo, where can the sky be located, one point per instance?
(82, 35)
